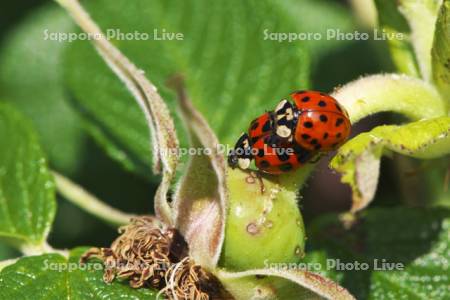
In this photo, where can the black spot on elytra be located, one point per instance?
(313, 141)
(322, 103)
(339, 121)
(305, 136)
(264, 164)
(323, 118)
(308, 124)
(260, 153)
(305, 99)
(285, 167)
(254, 140)
(325, 135)
(338, 135)
(283, 156)
(266, 127)
(254, 125)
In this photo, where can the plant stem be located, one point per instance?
(88, 202)
(5, 263)
(39, 249)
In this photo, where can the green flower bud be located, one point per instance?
(264, 224)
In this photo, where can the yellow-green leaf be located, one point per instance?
(392, 22)
(421, 17)
(359, 159)
(441, 51)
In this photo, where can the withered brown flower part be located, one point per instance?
(186, 280)
(148, 254)
(142, 253)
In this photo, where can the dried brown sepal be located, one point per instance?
(148, 254)
(187, 280)
(142, 254)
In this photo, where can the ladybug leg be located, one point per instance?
(241, 156)
(258, 177)
(284, 119)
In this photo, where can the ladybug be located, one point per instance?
(271, 154)
(315, 120)
(292, 134)
(274, 156)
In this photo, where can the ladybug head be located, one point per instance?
(233, 159)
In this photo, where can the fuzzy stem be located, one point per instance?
(164, 139)
(88, 202)
(32, 250)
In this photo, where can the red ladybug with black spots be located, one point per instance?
(292, 134)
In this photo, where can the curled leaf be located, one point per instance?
(164, 139)
(271, 283)
(406, 95)
(440, 52)
(200, 200)
(359, 159)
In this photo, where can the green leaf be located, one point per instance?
(338, 18)
(27, 192)
(53, 276)
(393, 22)
(228, 66)
(359, 159)
(31, 79)
(421, 17)
(440, 52)
(417, 239)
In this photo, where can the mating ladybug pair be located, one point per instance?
(293, 134)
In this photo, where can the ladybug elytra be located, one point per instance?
(292, 134)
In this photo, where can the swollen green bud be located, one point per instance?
(264, 224)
